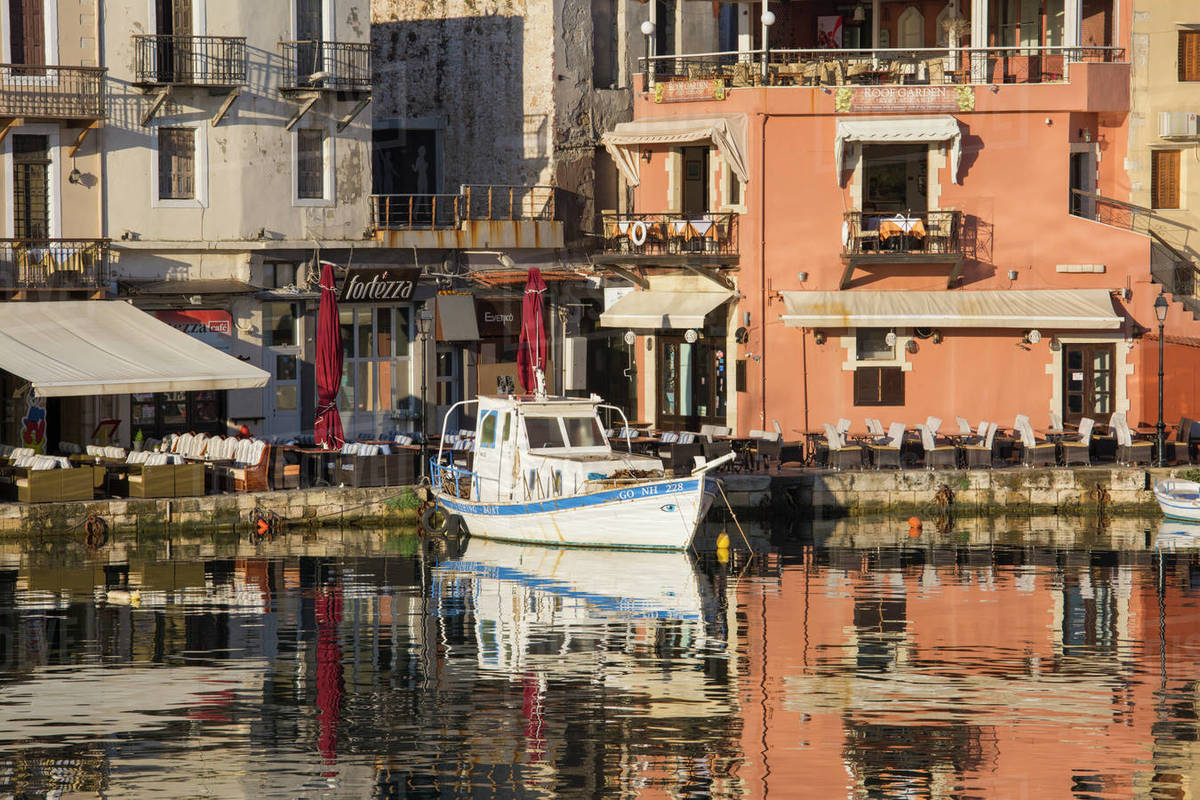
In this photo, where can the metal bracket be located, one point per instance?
(160, 99)
(300, 112)
(712, 274)
(224, 109)
(354, 112)
(636, 278)
(91, 126)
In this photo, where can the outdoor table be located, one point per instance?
(902, 229)
(316, 466)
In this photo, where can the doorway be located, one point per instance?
(1082, 178)
(448, 385)
(895, 178)
(1087, 381)
(691, 382)
(27, 33)
(310, 29)
(173, 24)
(31, 186)
(695, 182)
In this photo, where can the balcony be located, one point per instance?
(478, 216)
(319, 66)
(57, 264)
(927, 237)
(670, 239)
(959, 66)
(204, 61)
(51, 93)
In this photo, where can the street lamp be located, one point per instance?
(424, 329)
(768, 19)
(647, 31)
(1160, 311)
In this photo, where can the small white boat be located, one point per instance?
(543, 472)
(1178, 499)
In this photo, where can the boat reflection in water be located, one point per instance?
(1174, 534)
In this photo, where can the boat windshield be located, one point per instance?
(584, 432)
(544, 432)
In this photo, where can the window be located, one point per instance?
(879, 386)
(487, 429)
(604, 44)
(733, 188)
(584, 432)
(176, 163)
(376, 392)
(280, 324)
(27, 26)
(310, 164)
(31, 187)
(543, 432)
(1164, 179)
(1189, 55)
(871, 344)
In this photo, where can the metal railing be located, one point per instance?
(1117, 213)
(189, 60)
(473, 202)
(319, 65)
(54, 263)
(927, 66)
(667, 234)
(908, 233)
(49, 92)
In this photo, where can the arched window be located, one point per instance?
(945, 15)
(911, 28)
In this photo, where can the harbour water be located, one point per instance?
(852, 660)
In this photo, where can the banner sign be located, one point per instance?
(212, 326)
(689, 91)
(498, 318)
(379, 285)
(896, 99)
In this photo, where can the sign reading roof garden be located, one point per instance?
(379, 285)
(860, 99)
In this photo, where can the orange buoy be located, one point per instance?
(914, 522)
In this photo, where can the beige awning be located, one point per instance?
(1052, 309)
(886, 130)
(91, 347)
(727, 132)
(659, 309)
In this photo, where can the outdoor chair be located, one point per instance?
(249, 470)
(707, 432)
(842, 455)
(1129, 451)
(1079, 451)
(978, 453)
(1181, 448)
(885, 452)
(765, 447)
(875, 428)
(1034, 452)
(937, 455)
(50, 479)
(162, 475)
(964, 427)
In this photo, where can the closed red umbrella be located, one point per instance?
(327, 428)
(531, 348)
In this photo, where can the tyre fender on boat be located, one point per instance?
(429, 522)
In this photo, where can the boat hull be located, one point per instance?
(661, 515)
(1178, 499)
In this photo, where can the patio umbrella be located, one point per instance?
(531, 348)
(327, 427)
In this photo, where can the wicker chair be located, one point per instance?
(1080, 450)
(937, 455)
(1129, 451)
(978, 453)
(885, 452)
(1034, 452)
(841, 455)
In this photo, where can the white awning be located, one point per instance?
(727, 132)
(90, 347)
(658, 309)
(1052, 309)
(938, 128)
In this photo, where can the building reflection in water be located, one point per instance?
(846, 661)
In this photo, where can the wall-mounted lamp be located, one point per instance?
(819, 337)
(75, 177)
(1055, 344)
(803, 276)
(646, 155)
(993, 88)
(1049, 121)
(911, 346)
(936, 338)
(1032, 336)
(1012, 274)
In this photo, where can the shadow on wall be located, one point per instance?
(468, 72)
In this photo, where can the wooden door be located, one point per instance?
(1088, 381)
(27, 19)
(695, 182)
(691, 384)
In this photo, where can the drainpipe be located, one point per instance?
(762, 262)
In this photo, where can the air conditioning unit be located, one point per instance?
(1178, 124)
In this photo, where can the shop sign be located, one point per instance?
(212, 326)
(894, 99)
(379, 285)
(498, 318)
(689, 91)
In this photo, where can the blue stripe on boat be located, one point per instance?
(663, 489)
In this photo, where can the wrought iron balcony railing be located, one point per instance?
(54, 263)
(885, 234)
(671, 234)
(189, 60)
(473, 202)
(508, 202)
(326, 66)
(51, 92)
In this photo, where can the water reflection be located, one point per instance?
(992, 659)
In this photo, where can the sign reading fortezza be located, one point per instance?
(860, 99)
(376, 285)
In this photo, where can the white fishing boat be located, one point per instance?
(1178, 499)
(540, 470)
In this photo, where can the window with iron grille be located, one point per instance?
(31, 186)
(310, 164)
(176, 163)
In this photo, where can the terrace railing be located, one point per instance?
(669, 234)
(54, 263)
(189, 60)
(508, 202)
(923, 66)
(909, 233)
(326, 66)
(49, 92)
(401, 212)
(473, 202)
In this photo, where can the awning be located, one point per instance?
(659, 309)
(197, 286)
(90, 347)
(1053, 309)
(727, 132)
(937, 128)
(456, 318)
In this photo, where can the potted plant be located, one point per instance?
(137, 441)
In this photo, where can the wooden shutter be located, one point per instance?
(1189, 55)
(891, 386)
(866, 386)
(176, 163)
(1164, 178)
(740, 375)
(879, 386)
(27, 19)
(310, 164)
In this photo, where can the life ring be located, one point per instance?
(637, 233)
(427, 520)
(95, 532)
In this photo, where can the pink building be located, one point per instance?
(817, 234)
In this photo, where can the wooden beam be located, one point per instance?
(159, 100)
(636, 278)
(300, 112)
(846, 273)
(224, 109)
(354, 112)
(7, 125)
(91, 126)
(955, 272)
(712, 274)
